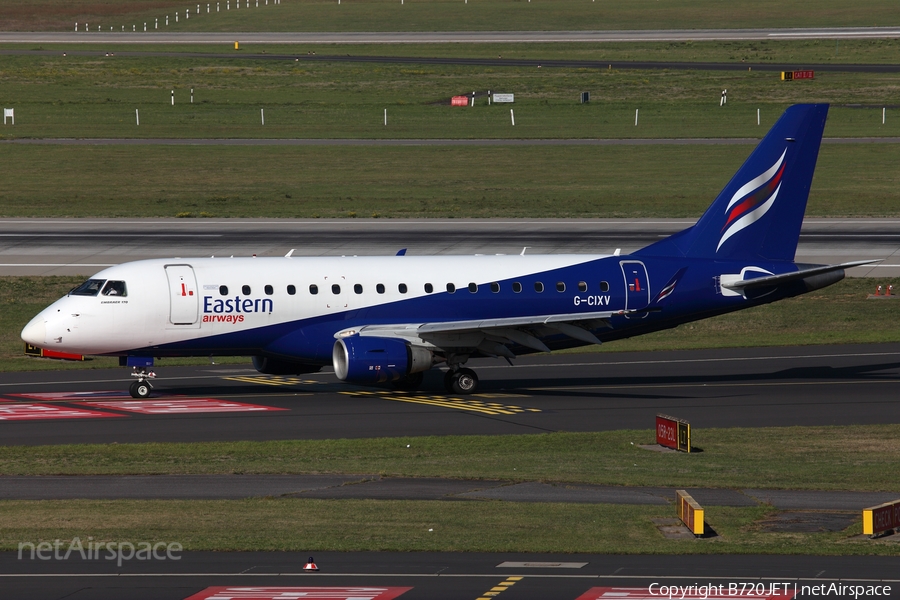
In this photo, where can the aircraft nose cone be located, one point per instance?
(35, 333)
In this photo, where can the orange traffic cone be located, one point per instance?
(310, 565)
(890, 290)
(878, 291)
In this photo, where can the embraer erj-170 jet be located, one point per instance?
(389, 319)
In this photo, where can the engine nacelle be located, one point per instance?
(274, 366)
(367, 360)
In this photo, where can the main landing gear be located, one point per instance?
(461, 381)
(141, 388)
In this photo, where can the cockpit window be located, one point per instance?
(114, 288)
(91, 287)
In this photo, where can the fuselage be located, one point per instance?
(294, 307)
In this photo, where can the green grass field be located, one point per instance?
(861, 458)
(79, 96)
(408, 526)
(795, 53)
(442, 15)
(418, 181)
(288, 524)
(828, 458)
(97, 97)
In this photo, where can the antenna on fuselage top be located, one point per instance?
(617, 252)
(523, 250)
(288, 255)
(401, 252)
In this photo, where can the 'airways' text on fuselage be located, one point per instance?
(236, 305)
(592, 300)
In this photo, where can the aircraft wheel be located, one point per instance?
(409, 383)
(464, 381)
(140, 389)
(448, 381)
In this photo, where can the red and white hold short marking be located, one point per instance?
(177, 406)
(295, 593)
(15, 411)
(67, 396)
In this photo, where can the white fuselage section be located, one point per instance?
(165, 302)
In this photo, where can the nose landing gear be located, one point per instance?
(141, 388)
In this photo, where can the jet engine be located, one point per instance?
(368, 360)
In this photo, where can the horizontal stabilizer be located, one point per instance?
(772, 280)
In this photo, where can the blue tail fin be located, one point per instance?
(759, 213)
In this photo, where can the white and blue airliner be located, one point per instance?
(388, 319)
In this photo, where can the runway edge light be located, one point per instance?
(310, 565)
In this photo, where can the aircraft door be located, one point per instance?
(184, 301)
(637, 285)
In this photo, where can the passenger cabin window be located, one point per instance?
(517, 287)
(473, 287)
(313, 289)
(582, 286)
(402, 288)
(495, 287)
(291, 290)
(269, 290)
(538, 287)
(245, 289)
(223, 290)
(379, 288)
(335, 289)
(91, 287)
(451, 288)
(357, 288)
(429, 288)
(560, 286)
(604, 286)
(115, 288)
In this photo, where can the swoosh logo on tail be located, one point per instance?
(752, 200)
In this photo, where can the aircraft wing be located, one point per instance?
(771, 280)
(488, 335)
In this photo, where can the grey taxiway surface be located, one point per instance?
(761, 387)
(85, 246)
(375, 487)
(439, 575)
(470, 37)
